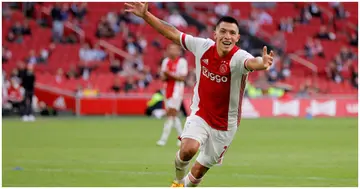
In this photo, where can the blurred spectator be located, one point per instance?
(315, 11)
(286, 24)
(346, 54)
(333, 72)
(264, 18)
(141, 40)
(45, 53)
(29, 8)
(156, 43)
(58, 25)
(124, 17)
(116, 87)
(45, 110)
(6, 54)
(59, 75)
(15, 95)
(79, 91)
(253, 24)
(307, 88)
(26, 30)
(79, 11)
(112, 20)
(353, 39)
(325, 34)
(132, 46)
(138, 62)
(99, 54)
(305, 16)
(222, 9)
(17, 29)
(21, 68)
(72, 73)
(129, 84)
(90, 91)
(147, 73)
(176, 19)
(354, 76)
(313, 48)
(28, 82)
(339, 10)
(65, 12)
(115, 66)
(104, 29)
(32, 58)
(86, 54)
(142, 81)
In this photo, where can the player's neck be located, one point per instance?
(221, 53)
(173, 58)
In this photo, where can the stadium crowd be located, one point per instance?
(134, 74)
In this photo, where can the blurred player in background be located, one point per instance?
(221, 73)
(174, 70)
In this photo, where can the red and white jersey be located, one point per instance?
(220, 82)
(178, 67)
(15, 93)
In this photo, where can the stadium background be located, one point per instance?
(82, 53)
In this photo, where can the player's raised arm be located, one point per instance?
(260, 63)
(165, 29)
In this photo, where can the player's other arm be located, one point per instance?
(169, 75)
(165, 29)
(260, 63)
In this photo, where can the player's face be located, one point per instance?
(173, 51)
(226, 35)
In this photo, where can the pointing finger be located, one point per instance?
(265, 50)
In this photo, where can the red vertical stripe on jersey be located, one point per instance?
(183, 41)
(242, 90)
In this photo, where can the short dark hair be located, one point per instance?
(228, 19)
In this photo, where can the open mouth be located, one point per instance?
(226, 43)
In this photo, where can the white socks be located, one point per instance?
(180, 168)
(191, 181)
(169, 123)
(167, 130)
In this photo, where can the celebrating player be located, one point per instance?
(173, 71)
(221, 72)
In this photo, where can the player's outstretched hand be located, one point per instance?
(267, 58)
(137, 8)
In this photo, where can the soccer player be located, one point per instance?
(221, 72)
(173, 71)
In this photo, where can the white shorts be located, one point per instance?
(173, 103)
(213, 143)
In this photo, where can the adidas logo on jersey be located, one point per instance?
(206, 61)
(212, 76)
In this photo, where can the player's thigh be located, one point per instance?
(214, 150)
(195, 128)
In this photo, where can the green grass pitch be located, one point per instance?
(121, 151)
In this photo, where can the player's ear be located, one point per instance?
(238, 38)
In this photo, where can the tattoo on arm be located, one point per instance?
(162, 21)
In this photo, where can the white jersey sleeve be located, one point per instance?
(241, 59)
(164, 65)
(190, 43)
(183, 67)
